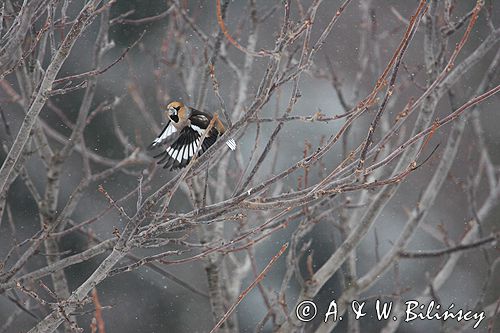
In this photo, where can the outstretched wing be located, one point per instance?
(200, 120)
(167, 132)
(179, 154)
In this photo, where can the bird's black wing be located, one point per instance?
(202, 120)
(167, 133)
(179, 154)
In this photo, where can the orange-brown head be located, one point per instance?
(177, 112)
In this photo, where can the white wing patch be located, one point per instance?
(231, 144)
(168, 131)
(198, 129)
(170, 151)
(184, 153)
(173, 153)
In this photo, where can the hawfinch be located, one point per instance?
(187, 126)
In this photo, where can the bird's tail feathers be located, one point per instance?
(231, 144)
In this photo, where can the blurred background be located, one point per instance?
(168, 64)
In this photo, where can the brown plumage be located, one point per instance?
(187, 125)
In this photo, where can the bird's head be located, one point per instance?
(176, 111)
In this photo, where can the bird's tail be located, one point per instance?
(231, 144)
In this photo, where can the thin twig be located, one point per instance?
(259, 278)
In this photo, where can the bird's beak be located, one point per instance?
(168, 112)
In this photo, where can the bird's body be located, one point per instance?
(187, 126)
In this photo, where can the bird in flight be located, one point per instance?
(187, 126)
